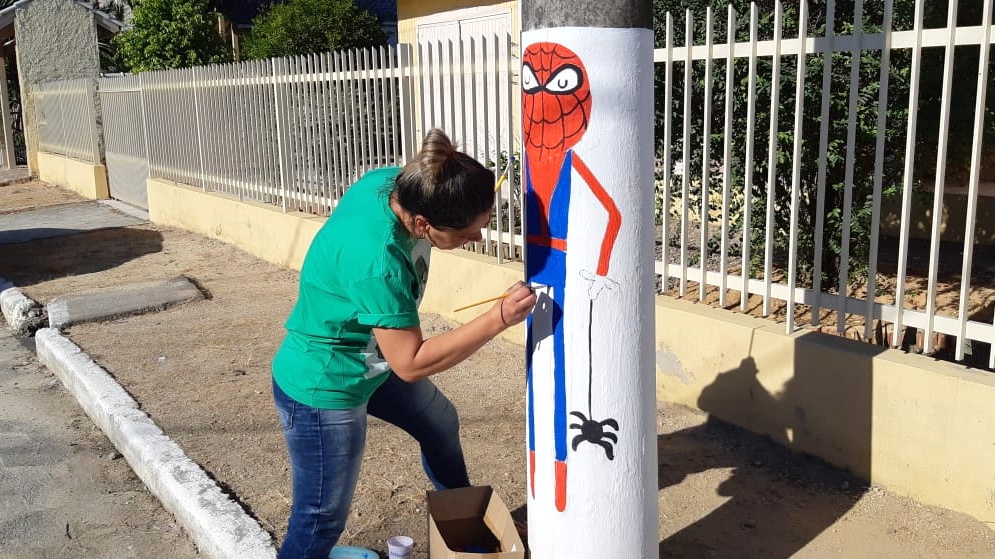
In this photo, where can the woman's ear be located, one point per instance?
(421, 226)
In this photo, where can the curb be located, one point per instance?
(219, 527)
(22, 314)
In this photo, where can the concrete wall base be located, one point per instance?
(86, 179)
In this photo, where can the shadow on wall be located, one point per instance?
(40, 260)
(778, 500)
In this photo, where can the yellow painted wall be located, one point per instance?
(918, 427)
(906, 422)
(262, 230)
(86, 179)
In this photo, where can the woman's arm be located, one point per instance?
(412, 357)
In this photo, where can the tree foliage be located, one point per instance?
(833, 204)
(171, 34)
(307, 26)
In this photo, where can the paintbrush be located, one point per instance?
(487, 300)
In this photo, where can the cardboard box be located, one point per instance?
(471, 523)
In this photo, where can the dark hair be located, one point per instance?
(447, 187)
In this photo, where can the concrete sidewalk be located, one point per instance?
(66, 219)
(217, 524)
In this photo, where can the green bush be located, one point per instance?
(307, 26)
(169, 34)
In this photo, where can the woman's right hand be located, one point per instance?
(516, 305)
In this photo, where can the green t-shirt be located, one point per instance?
(362, 271)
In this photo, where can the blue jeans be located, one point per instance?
(326, 449)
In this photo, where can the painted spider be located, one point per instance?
(593, 431)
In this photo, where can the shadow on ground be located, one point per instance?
(777, 499)
(41, 260)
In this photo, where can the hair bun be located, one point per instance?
(436, 150)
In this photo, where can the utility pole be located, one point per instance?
(587, 131)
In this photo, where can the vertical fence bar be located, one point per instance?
(324, 78)
(706, 156)
(421, 76)
(311, 122)
(497, 129)
(796, 166)
(91, 93)
(775, 87)
(751, 117)
(461, 74)
(472, 115)
(364, 108)
(485, 100)
(342, 141)
(335, 163)
(382, 105)
(428, 78)
(851, 146)
(941, 170)
(972, 186)
(142, 101)
(686, 147)
(451, 71)
(232, 118)
(509, 92)
(727, 155)
(345, 102)
(394, 85)
(335, 106)
(872, 265)
(406, 112)
(820, 201)
(668, 166)
(197, 116)
(355, 90)
(279, 126)
(910, 148)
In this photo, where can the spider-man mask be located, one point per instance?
(556, 100)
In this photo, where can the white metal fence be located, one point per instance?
(720, 220)
(469, 88)
(292, 131)
(67, 119)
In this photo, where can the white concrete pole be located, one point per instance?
(587, 128)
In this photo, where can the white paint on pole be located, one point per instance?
(588, 171)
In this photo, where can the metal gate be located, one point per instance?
(124, 139)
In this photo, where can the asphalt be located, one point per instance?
(217, 524)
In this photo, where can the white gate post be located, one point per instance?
(587, 129)
(8, 130)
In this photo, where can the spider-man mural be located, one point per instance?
(556, 110)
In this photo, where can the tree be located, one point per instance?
(171, 34)
(835, 160)
(308, 26)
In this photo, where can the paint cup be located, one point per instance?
(399, 547)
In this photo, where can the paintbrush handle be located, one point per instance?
(487, 300)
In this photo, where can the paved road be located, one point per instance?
(64, 492)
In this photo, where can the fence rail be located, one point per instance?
(67, 119)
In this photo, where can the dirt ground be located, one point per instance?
(201, 371)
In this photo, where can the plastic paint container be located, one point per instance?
(352, 552)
